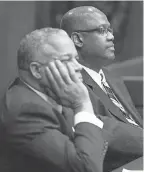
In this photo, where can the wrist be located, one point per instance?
(84, 106)
(88, 118)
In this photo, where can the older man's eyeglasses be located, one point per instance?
(101, 30)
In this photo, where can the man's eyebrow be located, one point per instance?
(57, 56)
(69, 56)
(104, 25)
(66, 54)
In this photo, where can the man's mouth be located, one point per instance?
(111, 48)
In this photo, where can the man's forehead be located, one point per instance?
(58, 45)
(96, 19)
(92, 20)
(86, 18)
(61, 42)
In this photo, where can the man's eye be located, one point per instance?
(110, 30)
(66, 61)
(102, 30)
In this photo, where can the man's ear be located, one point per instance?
(35, 70)
(77, 38)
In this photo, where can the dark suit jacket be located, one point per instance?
(125, 140)
(37, 137)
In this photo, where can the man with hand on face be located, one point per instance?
(47, 120)
(93, 37)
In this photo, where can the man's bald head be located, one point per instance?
(40, 41)
(91, 33)
(81, 18)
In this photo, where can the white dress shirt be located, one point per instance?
(96, 76)
(79, 117)
(98, 79)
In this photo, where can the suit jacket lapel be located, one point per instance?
(122, 94)
(103, 97)
(65, 117)
(68, 115)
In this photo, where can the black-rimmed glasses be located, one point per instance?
(101, 30)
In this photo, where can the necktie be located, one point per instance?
(114, 99)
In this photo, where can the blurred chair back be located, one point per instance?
(131, 72)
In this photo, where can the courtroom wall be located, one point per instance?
(20, 17)
(16, 19)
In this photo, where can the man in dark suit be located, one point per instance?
(93, 37)
(47, 120)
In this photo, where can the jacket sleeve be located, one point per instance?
(123, 137)
(125, 143)
(36, 132)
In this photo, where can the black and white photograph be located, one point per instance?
(71, 86)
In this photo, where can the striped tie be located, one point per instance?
(114, 99)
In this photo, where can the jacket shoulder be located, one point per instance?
(19, 100)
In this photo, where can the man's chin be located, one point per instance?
(110, 56)
(108, 60)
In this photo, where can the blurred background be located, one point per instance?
(20, 17)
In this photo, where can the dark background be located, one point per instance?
(20, 17)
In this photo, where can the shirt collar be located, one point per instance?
(42, 95)
(100, 75)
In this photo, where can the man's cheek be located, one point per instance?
(72, 64)
(65, 65)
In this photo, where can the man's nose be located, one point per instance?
(110, 36)
(77, 65)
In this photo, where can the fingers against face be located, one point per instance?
(52, 81)
(56, 74)
(72, 73)
(63, 72)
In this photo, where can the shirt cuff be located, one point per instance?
(87, 117)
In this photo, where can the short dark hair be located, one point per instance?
(31, 43)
